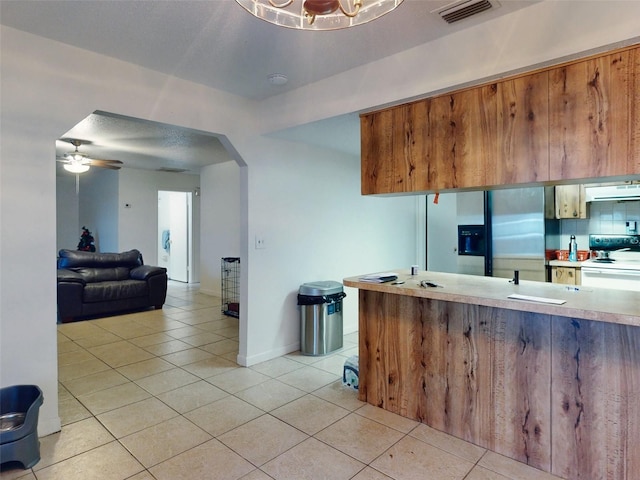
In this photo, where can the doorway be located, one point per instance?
(175, 221)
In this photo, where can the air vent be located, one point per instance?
(460, 10)
(171, 170)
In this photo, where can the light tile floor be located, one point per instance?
(158, 395)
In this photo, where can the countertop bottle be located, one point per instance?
(573, 249)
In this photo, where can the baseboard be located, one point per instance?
(247, 361)
(48, 426)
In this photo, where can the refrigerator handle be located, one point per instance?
(488, 236)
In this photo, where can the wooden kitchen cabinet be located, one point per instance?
(463, 137)
(594, 116)
(566, 201)
(387, 166)
(523, 131)
(433, 144)
(495, 134)
(566, 275)
(579, 120)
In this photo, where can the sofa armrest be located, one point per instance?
(144, 272)
(65, 275)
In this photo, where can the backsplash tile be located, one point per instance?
(604, 218)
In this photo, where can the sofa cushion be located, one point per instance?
(114, 290)
(92, 275)
(79, 258)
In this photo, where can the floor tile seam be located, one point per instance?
(37, 469)
(148, 468)
(307, 437)
(119, 339)
(270, 412)
(333, 402)
(81, 348)
(495, 470)
(381, 422)
(95, 415)
(126, 380)
(477, 465)
(196, 380)
(177, 414)
(193, 363)
(235, 393)
(458, 456)
(366, 464)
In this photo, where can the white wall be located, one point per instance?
(138, 223)
(41, 98)
(98, 193)
(220, 221)
(67, 213)
(305, 203)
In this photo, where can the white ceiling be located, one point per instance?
(217, 43)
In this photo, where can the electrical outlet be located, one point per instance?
(260, 242)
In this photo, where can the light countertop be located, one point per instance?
(564, 263)
(589, 303)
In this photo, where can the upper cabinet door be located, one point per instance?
(393, 145)
(591, 111)
(463, 137)
(523, 131)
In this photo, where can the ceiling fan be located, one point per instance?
(78, 162)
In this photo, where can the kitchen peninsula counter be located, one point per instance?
(552, 386)
(587, 303)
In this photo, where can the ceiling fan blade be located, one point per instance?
(116, 162)
(105, 163)
(110, 167)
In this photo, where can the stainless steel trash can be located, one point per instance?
(320, 317)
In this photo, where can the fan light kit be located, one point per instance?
(318, 14)
(78, 162)
(76, 167)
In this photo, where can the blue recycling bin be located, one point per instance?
(19, 411)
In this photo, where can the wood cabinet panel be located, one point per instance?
(634, 113)
(377, 161)
(580, 120)
(470, 136)
(475, 372)
(560, 394)
(395, 150)
(590, 116)
(565, 275)
(596, 388)
(569, 201)
(523, 131)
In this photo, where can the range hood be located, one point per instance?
(613, 193)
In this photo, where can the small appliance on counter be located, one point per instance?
(616, 264)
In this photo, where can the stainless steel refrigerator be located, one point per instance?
(510, 221)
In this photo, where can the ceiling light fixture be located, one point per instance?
(277, 79)
(78, 162)
(318, 14)
(76, 167)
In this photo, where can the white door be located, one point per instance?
(174, 223)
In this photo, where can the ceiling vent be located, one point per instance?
(171, 170)
(457, 11)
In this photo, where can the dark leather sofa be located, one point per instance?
(93, 284)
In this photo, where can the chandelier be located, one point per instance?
(318, 14)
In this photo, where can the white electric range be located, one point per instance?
(618, 265)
